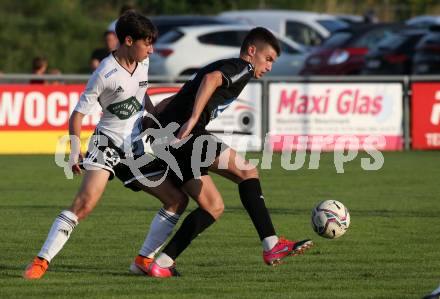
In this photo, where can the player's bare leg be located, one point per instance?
(210, 208)
(174, 204)
(90, 192)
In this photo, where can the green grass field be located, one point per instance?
(392, 249)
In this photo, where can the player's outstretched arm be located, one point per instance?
(75, 122)
(209, 84)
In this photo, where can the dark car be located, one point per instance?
(344, 51)
(393, 55)
(427, 53)
(166, 23)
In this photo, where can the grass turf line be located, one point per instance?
(390, 250)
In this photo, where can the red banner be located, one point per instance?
(40, 107)
(33, 118)
(48, 107)
(425, 116)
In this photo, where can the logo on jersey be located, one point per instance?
(143, 83)
(110, 73)
(220, 108)
(119, 89)
(125, 109)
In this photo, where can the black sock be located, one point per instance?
(252, 198)
(193, 224)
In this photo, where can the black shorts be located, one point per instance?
(196, 155)
(103, 154)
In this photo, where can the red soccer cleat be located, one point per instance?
(285, 248)
(156, 271)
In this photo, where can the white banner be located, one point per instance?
(239, 125)
(336, 109)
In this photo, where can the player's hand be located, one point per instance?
(185, 130)
(75, 164)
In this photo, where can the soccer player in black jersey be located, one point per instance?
(200, 100)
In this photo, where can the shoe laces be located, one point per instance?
(145, 261)
(284, 241)
(41, 263)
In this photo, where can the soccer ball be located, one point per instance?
(330, 219)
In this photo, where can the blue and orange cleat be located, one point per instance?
(157, 271)
(285, 248)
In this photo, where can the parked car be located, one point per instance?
(393, 55)
(427, 53)
(165, 23)
(425, 21)
(184, 50)
(351, 19)
(305, 28)
(343, 53)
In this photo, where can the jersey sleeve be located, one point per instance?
(89, 98)
(233, 72)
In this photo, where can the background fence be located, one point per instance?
(398, 112)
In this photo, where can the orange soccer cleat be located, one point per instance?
(36, 269)
(140, 265)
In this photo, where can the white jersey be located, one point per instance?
(121, 97)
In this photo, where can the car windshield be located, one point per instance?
(429, 41)
(169, 37)
(392, 41)
(333, 25)
(336, 40)
(433, 38)
(166, 24)
(285, 48)
(371, 38)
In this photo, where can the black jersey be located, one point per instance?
(236, 73)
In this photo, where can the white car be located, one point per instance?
(424, 21)
(306, 28)
(184, 50)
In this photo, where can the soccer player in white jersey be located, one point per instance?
(119, 85)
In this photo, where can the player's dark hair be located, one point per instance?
(259, 36)
(133, 24)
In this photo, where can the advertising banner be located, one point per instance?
(34, 117)
(425, 115)
(325, 116)
(239, 124)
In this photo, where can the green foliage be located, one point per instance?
(58, 30)
(67, 31)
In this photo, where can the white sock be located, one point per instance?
(58, 235)
(164, 261)
(160, 229)
(269, 243)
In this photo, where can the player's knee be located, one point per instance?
(217, 209)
